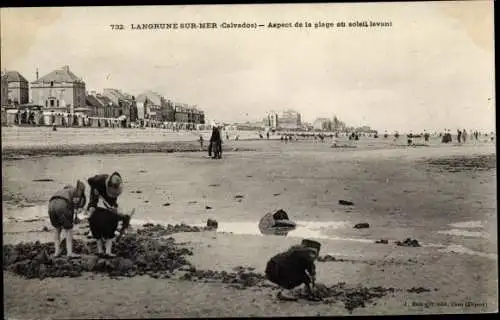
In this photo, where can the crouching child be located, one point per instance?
(103, 210)
(63, 208)
(294, 267)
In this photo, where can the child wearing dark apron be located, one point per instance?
(104, 214)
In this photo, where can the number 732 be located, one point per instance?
(117, 27)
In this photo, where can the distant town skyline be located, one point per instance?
(433, 69)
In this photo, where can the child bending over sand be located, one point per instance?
(63, 206)
(294, 267)
(104, 214)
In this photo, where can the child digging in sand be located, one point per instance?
(294, 267)
(104, 214)
(63, 206)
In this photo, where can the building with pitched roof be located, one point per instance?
(127, 105)
(154, 106)
(17, 88)
(185, 113)
(59, 90)
(96, 106)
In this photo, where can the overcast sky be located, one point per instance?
(433, 69)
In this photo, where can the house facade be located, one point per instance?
(127, 104)
(185, 113)
(156, 107)
(17, 88)
(272, 120)
(289, 119)
(60, 90)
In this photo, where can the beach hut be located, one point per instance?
(47, 118)
(11, 116)
(79, 120)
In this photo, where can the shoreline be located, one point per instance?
(19, 153)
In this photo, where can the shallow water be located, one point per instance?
(327, 230)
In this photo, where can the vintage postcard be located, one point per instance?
(249, 160)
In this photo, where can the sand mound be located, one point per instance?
(352, 297)
(144, 252)
(472, 163)
(242, 278)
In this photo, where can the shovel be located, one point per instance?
(122, 230)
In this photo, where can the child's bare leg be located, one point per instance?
(99, 246)
(109, 246)
(69, 243)
(57, 242)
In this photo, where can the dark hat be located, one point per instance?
(114, 185)
(115, 180)
(311, 244)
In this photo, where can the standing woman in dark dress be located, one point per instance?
(215, 144)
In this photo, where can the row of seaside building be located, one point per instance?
(61, 95)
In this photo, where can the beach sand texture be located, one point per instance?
(395, 189)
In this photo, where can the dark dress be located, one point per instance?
(104, 221)
(215, 143)
(288, 269)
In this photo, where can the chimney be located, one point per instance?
(36, 74)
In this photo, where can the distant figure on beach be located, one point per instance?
(201, 142)
(215, 145)
(267, 135)
(459, 136)
(103, 210)
(294, 267)
(426, 136)
(63, 207)
(446, 138)
(464, 135)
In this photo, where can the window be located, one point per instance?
(58, 103)
(51, 103)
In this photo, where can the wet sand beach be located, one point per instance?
(422, 193)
